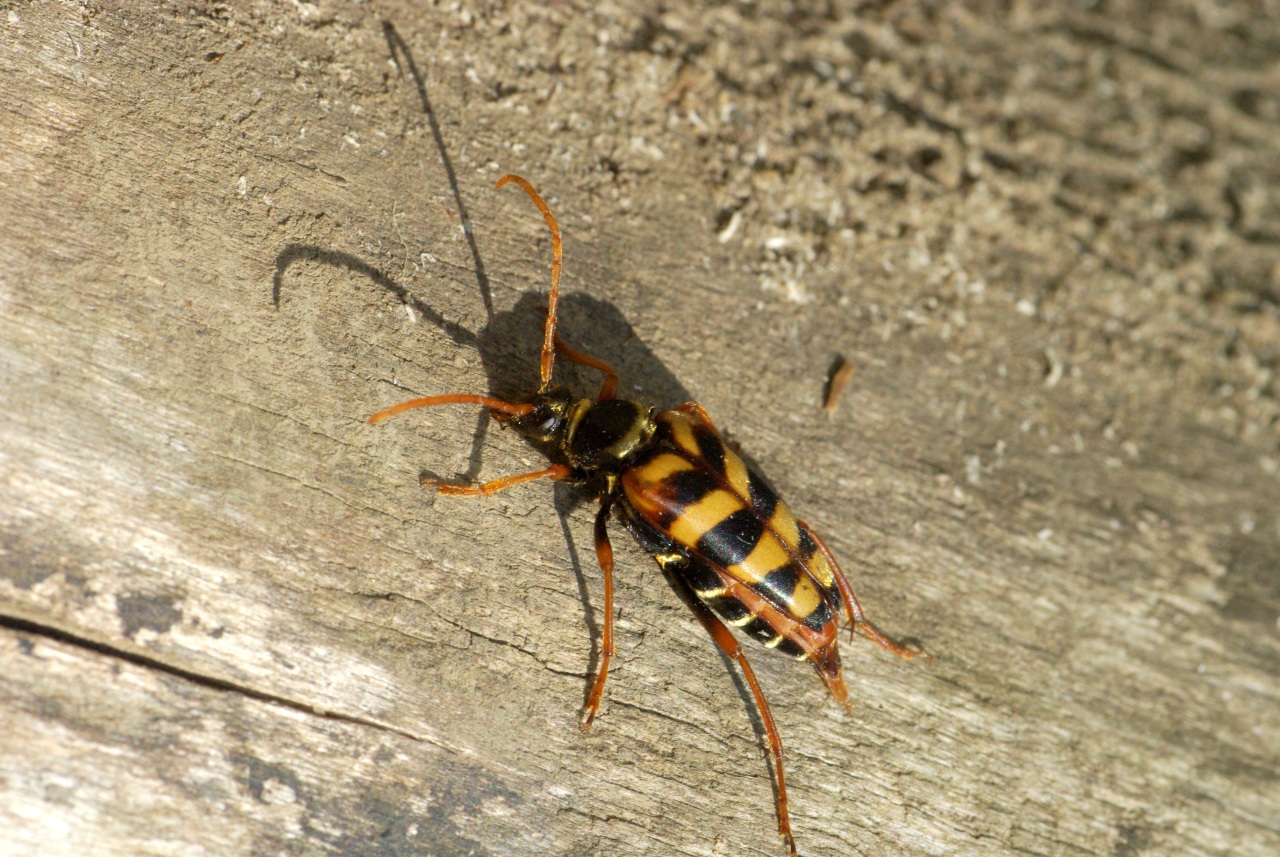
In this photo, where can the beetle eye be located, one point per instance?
(548, 421)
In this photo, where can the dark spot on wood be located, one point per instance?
(260, 773)
(156, 613)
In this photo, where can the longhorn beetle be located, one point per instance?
(729, 546)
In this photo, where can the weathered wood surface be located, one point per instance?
(1048, 239)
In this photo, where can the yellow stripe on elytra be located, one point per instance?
(821, 569)
(736, 472)
(697, 519)
(784, 524)
(643, 484)
(805, 599)
(660, 468)
(682, 434)
(767, 555)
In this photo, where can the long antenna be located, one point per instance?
(548, 359)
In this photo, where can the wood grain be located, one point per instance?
(1045, 238)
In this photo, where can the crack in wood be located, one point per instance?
(25, 626)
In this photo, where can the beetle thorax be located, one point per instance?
(592, 437)
(602, 436)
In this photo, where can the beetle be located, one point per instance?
(730, 547)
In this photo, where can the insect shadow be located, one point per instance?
(508, 348)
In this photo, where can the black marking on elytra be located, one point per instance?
(709, 447)
(808, 547)
(763, 500)
(689, 486)
(779, 584)
(732, 540)
(821, 615)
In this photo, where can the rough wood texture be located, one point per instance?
(1047, 239)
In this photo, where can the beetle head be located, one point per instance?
(546, 424)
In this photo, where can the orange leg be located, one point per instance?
(729, 645)
(506, 409)
(609, 388)
(857, 620)
(604, 554)
(448, 489)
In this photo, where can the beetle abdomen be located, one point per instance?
(692, 489)
(706, 583)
